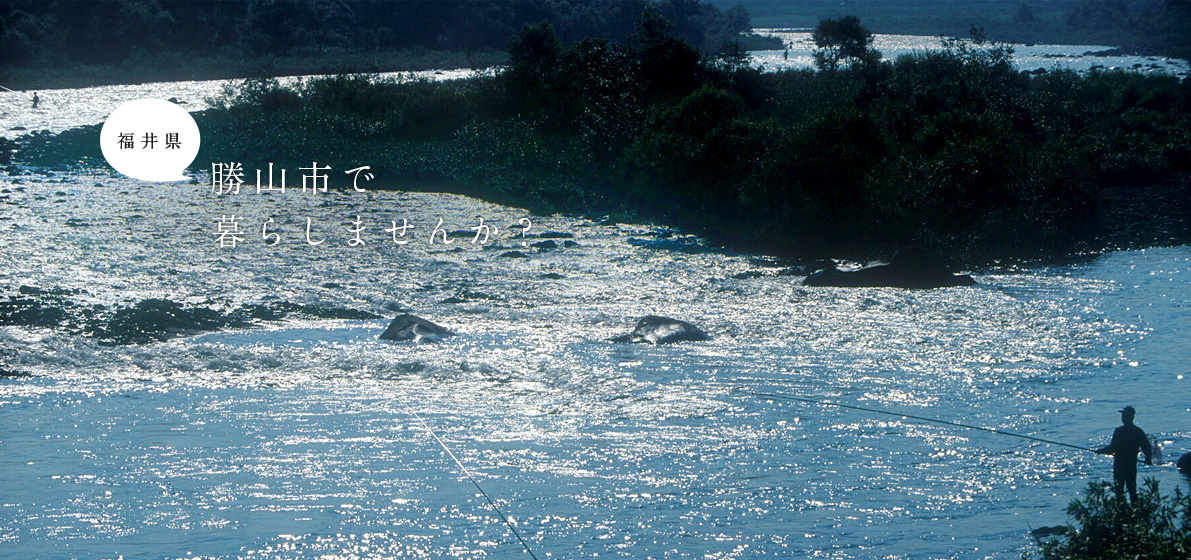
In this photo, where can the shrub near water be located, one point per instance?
(1106, 526)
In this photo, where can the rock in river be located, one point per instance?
(411, 327)
(909, 268)
(662, 330)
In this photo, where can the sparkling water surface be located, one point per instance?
(62, 109)
(1032, 57)
(297, 438)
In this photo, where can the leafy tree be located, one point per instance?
(843, 40)
(534, 53)
(668, 66)
(978, 34)
(535, 48)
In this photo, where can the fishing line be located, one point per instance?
(911, 416)
(473, 480)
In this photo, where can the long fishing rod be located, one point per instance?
(911, 416)
(473, 480)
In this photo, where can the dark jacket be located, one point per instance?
(1126, 442)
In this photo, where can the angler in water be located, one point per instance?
(1127, 440)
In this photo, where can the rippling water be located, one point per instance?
(61, 109)
(1080, 58)
(296, 438)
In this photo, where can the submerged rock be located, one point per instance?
(688, 245)
(909, 268)
(412, 327)
(31, 312)
(1045, 532)
(275, 311)
(157, 320)
(555, 235)
(655, 329)
(13, 373)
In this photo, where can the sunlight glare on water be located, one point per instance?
(296, 439)
(1081, 58)
(66, 108)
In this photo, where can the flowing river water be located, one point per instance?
(1032, 57)
(296, 436)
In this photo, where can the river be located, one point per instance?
(61, 109)
(1032, 57)
(297, 437)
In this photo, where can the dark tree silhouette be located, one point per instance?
(843, 40)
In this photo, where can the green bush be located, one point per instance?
(1106, 526)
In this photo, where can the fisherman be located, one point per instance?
(35, 100)
(1127, 440)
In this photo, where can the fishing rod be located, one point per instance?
(911, 416)
(473, 480)
(9, 90)
(1156, 455)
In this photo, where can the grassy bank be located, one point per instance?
(954, 151)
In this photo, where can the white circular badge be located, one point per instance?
(150, 139)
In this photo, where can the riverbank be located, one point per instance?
(954, 151)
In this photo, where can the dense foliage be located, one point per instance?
(955, 150)
(843, 39)
(1106, 526)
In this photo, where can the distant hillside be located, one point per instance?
(930, 17)
(150, 40)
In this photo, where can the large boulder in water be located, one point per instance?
(909, 268)
(417, 329)
(1185, 464)
(655, 329)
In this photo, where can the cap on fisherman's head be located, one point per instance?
(1128, 411)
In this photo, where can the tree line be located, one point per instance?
(955, 151)
(57, 33)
